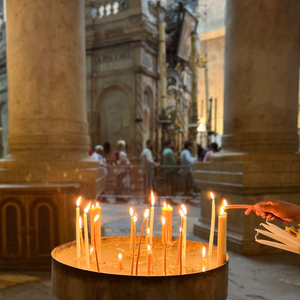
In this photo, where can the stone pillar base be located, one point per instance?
(85, 172)
(246, 179)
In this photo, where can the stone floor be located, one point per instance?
(273, 277)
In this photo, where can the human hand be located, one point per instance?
(272, 209)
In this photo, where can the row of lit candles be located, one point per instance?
(95, 218)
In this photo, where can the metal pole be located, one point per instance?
(193, 128)
(162, 59)
(216, 100)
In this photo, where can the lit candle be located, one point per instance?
(180, 251)
(133, 243)
(91, 254)
(149, 259)
(222, 228)
(81, 237)
(131, 228)
(120, 261)
(146, 215)
(183, 207)
(164, 215)
(96, 219)
(152, 216)
(165, 245)
(86, 236)
(212, 225)
(181, 215)
(77, 227)
(98, 231)
(92, 217)
(169, 223)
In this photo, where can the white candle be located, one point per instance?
(131, 228)
(97, 229)
(212, 225)
(183, 207)
(77, 227)
(86, 236)
(152, 216)
(222, 230)
(165, 246)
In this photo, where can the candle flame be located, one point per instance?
(203, 252)
(131, 211)
(183, 207)
(165, 205)
(152, 199)
(223, 207)
(148, 231)
(97, 204)
(78, 201)
(120, 256)
(163, 221)
(149, 248)
(181, 213)
(212, 196)
(169, 206)
(91, 251)
(87, 208)
(203, 269)
(135, 218)
(146, 213)
(180, 229)
(96, 218)
(93, 206)
(80, 223)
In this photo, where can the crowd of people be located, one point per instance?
(172, 166)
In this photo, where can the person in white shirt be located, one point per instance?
(148, 164)
(187, 161)
(98, 154)
(122, 172)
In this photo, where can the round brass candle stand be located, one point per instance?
(71, 283)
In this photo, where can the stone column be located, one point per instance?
(46, 75)
(48, 130)
(261, 76)
(258, 160)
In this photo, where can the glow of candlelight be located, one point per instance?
(78, 201)
(152, 199)
(169, 206)
(120, 257)
(97, 204)
(183, 207)
(212, 196)
(163, 221)
(146, 214)
(181, 213)
(86, 210)
(149, 248)
(165, 205)
(131, 211)
(91, 251)
(148, 231)
(203, 269)
(80, 223)
(96, 218)
(135, 218)
(223, 207)
(203, 252)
